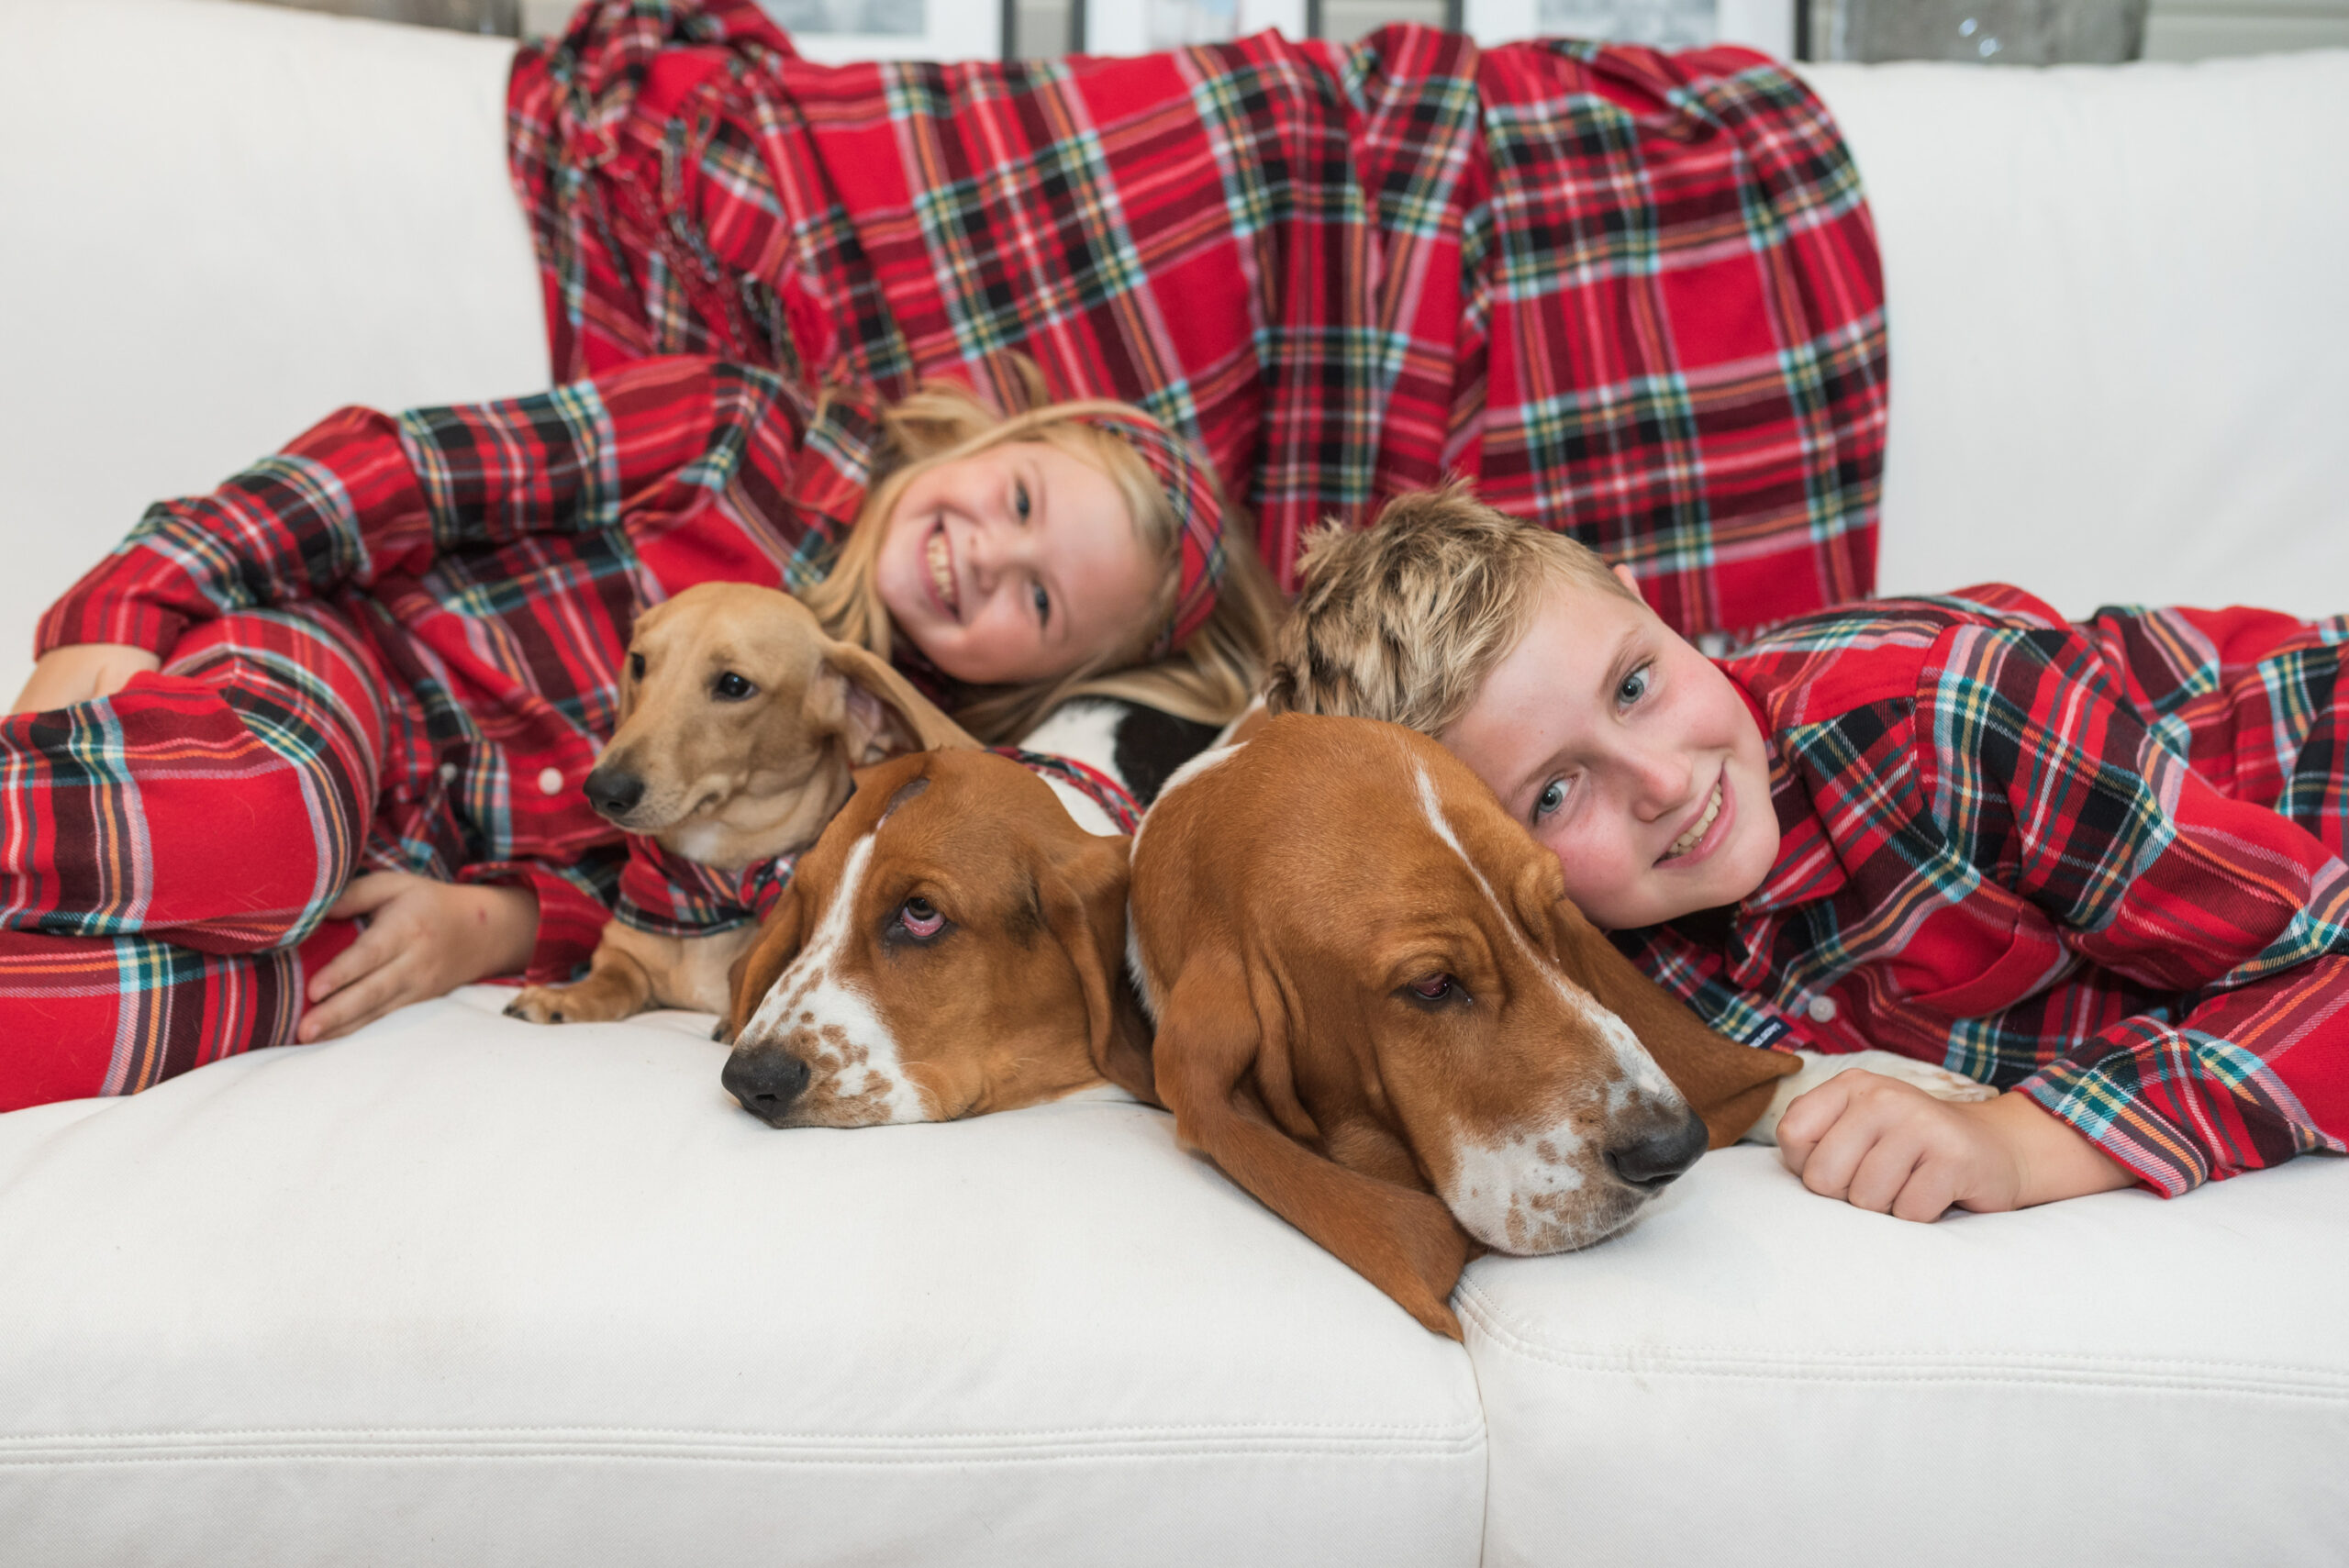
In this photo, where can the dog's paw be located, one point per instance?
(1937, 1082)
(540, 1004)
(1818, 1067)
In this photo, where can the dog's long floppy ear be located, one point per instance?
(1209, 1039)
(1727, 1084)
(881, 713)
(755, 973)
(1085, 903)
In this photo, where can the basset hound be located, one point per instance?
(1375, 1009)
(951, 945)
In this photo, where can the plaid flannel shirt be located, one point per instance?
(2099, 864)
(494, 558)
(1634, 295)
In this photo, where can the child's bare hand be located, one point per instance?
(80, 672)
(424, 938)
(1888, 1146)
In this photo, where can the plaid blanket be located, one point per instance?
(1635, 296)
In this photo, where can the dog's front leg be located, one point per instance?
(617, 986)
(1820, 1066)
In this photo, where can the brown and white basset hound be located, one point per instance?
(1377, 1012)
(951, 945)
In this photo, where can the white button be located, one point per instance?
(447, 773)
(1822, 1009)
(551, 782)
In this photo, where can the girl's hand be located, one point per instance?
(424, 939)
(1888, 1146)
(80, 671)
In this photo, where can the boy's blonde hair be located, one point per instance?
(1404, 620)
(1210, 678)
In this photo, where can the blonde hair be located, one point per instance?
(1404, 620)
(1210, 678)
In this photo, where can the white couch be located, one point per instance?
(462, 1291)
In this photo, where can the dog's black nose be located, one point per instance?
(766, 1081)
(614, 792)
(1649, 1162)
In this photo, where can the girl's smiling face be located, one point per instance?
(1629, 755)
(1018, 563)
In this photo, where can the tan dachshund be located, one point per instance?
(1377, 1010)
(952, 946)
(740, 725)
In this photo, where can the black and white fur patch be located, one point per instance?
(1140, 747)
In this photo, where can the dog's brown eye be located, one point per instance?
(920, 918)
(1436, 989)
(732, 687)
(636, 665)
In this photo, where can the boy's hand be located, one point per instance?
(424, 939)
(80, 672)
(1887, 1146)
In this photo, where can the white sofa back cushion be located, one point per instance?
(2119, 333)
(223, 222)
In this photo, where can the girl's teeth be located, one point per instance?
(941, 568)
(1689, 840)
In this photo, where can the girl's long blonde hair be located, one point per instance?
(1209, 679)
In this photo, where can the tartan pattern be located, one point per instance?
(220, 803)
(1636, 295)
(488, 562)
(2101, 865)
(672, 897)
(122, 1014)
(169, 854)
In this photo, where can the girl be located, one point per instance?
(394, 645)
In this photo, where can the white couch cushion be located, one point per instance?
(463, 1290)
(1758, 1376)
(2120, 337)
(223, 222)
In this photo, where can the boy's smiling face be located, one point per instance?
(1629, 755)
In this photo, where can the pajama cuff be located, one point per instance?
(2102, 1107)
(571, 917)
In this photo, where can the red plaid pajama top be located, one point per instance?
(493, 559)
(2101, 865)
(1635, 296)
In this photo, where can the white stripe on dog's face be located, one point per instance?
(1523, 1193)
(817, 1012)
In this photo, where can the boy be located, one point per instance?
(2098, 866)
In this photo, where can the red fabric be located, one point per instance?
(2100, 864)
(490, 561)
(1635, 294)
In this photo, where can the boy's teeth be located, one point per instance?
(1689, 840)
(941, 568)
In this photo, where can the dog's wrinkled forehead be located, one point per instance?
(1396, 819)
(975, 811)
